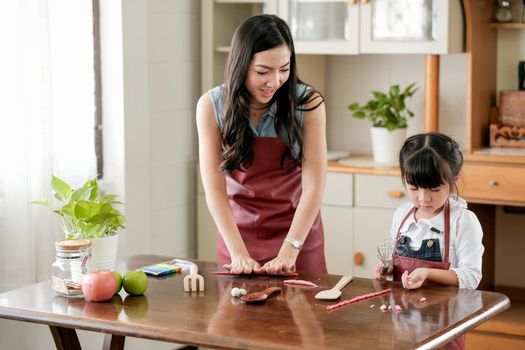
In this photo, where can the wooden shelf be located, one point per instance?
(473, 156)
(508, 25)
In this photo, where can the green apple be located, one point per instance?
(118, 279)
(135, 282)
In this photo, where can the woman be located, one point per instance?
(262, 154)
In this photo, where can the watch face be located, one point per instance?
(297, 244)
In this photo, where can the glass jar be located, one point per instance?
(72, 263)
(503, 11)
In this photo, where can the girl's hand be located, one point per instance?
(415, 279)
(242, 265)
(380, 273)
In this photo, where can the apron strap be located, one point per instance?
(403, 222)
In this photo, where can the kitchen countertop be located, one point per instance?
(361, 165)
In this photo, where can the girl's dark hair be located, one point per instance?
(256, 34)
(430, 160)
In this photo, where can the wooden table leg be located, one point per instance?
(113, 342)
(65, 338)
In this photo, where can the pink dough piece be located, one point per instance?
(398, 308)
(383, 308)
(389, 307)
(372, 306)
(358, 298)
(423, 299)
(301, 283)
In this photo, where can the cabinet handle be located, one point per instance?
(358, 259)
(396, 194)
(493, 183)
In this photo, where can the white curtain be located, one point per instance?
(46, 125)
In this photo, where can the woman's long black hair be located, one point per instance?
(256, 34)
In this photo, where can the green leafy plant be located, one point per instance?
(386, 110)
(82, 213)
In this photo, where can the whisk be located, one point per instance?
(385, 249)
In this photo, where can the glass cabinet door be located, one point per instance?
(323, 27)
(411, 26)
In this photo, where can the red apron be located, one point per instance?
(263, 201)
(403, 263)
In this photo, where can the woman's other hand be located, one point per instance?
(242, 265)
(282, 263)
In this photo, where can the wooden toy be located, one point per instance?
(193, 278)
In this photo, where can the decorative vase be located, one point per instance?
(386, 144)
(104, 252)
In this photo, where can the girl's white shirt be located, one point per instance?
(465, 246)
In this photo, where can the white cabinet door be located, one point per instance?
(411, 26)
(322, 26)
(371, 227)
(338, 223)
(375, 26)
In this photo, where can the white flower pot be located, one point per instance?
(387, 144)
(104, 252)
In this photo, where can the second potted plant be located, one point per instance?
(389, 115)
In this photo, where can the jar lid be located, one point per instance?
(71, 245)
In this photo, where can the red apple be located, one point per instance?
(99, 285)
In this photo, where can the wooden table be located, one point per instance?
(292, 319)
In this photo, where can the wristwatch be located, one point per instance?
(296, 244)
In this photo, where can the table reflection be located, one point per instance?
(288, 315)
(438, 311)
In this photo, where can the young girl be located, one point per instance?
(437, 238)
(262, 155)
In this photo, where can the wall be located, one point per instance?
(151, 77)
(352, 78)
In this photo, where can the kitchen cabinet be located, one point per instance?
(322, 27)
(376, 199)
(357, 218)
(491, 178)
(376, 26)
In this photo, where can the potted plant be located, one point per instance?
(83, 213)
(389, 115)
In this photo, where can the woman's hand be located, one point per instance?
(242, 264)
(415, 279)
(284, 262)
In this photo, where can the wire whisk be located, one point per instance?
(385, 251)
